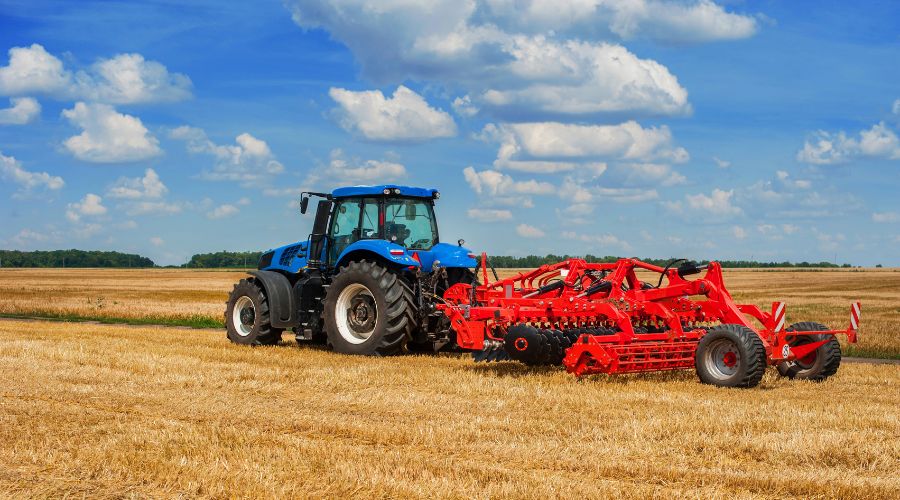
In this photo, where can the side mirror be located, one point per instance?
(410, 211)
(460, 242)
(304, 202)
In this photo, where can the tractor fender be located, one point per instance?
(281, 298)
(453, 256)
(391, 253)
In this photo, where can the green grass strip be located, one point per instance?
(195, 321)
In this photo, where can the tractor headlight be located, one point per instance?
(437, 195)
(396, 190)
(387, 191)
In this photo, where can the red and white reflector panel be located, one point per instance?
(397, 251)
(778, 316)
(854, 316)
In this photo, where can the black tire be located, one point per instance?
(251, 325)
(386, 307)
(730, 356)
(822, 363)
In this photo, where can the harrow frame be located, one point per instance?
(609, 321)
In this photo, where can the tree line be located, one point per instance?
(72, 258)
(243, 260)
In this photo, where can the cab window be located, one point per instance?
(369, 225)
(410, 222)
(344, 225)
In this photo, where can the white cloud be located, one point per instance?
(739, 232)
(91, 205)
(721, 163)
(11, 170)
(122, 79)
(222, 211)
(355, 170)
(157, 241)
(827, 148)
(249, 161)
(108, 136)
(153, 208)
(27, 237)
(896, 107)
(244, 201)
(789, 229)
(526, 231)
(716, 204)
(543, 57)
(604, 240)
(403, 117)
(493, 183)
(626, 141)
(651, 173)
(886, 217)
(463, 106)
(22, 110)
(32, 70)
(130, 79)
(148, 186)
(489, 215)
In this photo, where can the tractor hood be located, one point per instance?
(447, 255)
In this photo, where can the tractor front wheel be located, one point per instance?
(369, 310)
(817, 365)
(247, 318)
(730, 356)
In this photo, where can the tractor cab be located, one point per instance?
(392, 224)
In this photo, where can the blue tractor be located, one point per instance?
(365, 281)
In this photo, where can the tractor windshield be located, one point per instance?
(410, 222)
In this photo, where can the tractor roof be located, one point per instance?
(379, 190)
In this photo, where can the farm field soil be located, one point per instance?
(197, 297)
(113, 411)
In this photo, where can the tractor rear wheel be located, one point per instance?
(730, 356)
(369, 310)
(817, 365)
(247, 318)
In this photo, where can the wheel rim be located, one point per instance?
(722, 358)
(356, 313)
(243, 316)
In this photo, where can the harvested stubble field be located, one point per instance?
(197, 298)
(136, 411)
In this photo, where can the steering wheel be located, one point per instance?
(420, 243)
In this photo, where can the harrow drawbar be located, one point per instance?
(602, 318)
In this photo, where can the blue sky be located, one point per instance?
(764, 130)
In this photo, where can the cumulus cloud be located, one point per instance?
(829, 148)
(147, 187)
(604, 240)
(558, 147)
(526, 231)
(886, 217)
(489, 215)
(355, 170)
(719, 202)
(222, 211)
(720, 162)
(157, 241)
(108, 136)
(153, 208)
(33, 70)
(896, 107)
(248, 161)
(405, 116)
(739, 232)
(122, 79)
(12, 171)
(91, 205)
(533, 58)
(493, 183)
(22, 110)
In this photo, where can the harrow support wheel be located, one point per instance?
(817, 365)
(730, 356)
